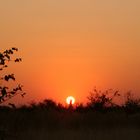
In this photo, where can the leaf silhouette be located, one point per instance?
(8, 77)
(18, 59)
(15, 49)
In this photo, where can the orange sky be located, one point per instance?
(70, 46)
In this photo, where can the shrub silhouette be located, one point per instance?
(5, 92)
(47, 104)
(100, 101)
(80, 108)
(131, 104)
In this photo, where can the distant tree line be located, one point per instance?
(98, 101)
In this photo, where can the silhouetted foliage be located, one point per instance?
(48, 116)
(132, 104)
(81, 108)
(48, 104)
(99, 100)
(5, 92)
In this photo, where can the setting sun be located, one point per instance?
(70, 100)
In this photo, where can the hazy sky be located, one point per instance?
(70, 46)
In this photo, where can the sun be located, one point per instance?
(70, 100)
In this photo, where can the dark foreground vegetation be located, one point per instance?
(99, 119)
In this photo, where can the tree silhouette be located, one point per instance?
(6, 92)
(99, 100)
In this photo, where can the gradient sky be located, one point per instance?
(70, 46)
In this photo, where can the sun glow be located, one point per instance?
(70, 100)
